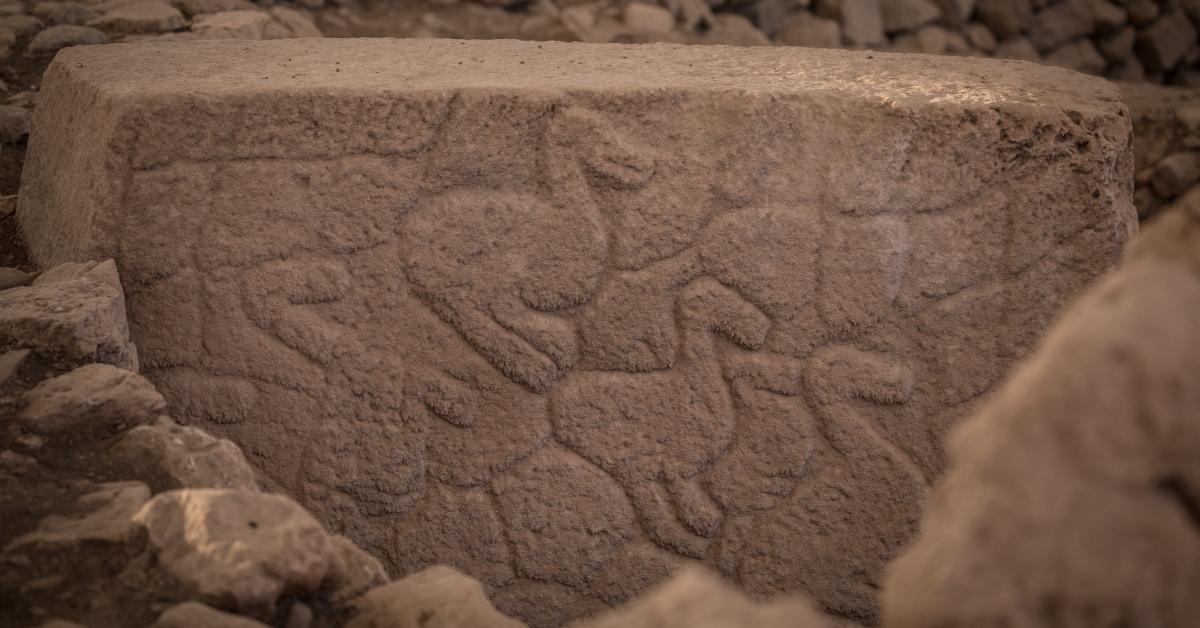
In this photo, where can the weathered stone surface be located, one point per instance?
(73, 319)
(1060, 23)
(93, 400)
(1175, 174)
(438, 597)
(197, 615)
(237, 549)
(1072, 498)
(561, 271)
(696, 598)
(168, 456)
(861, 20)
(1080, 55)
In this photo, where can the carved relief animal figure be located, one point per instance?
(655, 432)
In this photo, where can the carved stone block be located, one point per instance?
(563, 315)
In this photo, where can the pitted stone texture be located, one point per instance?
(74, 314)
(1073, 496)
(563, 315)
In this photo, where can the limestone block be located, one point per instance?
(563, 315)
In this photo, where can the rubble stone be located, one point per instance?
(104, 517)
(74, 321)
(1080, 55)
(197, 615)
(1060, 23)
(1164, 44)
(168, 456)
(65, 13)
(810, 31)
(90, 400)
(13, 278)
(1176, 173)
(62, 36)
(232, 25)
(437, 597)
(907, 15)
(861, 20)
(144, 16)
(1005, 18)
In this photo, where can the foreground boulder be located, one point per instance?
(237, 550)
(1075, 494)
(90, 402)
(564, 315)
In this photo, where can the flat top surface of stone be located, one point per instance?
(417, 64)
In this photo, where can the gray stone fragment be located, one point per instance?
(981, 37)
(21, 25)
(861, 20)
(1118, 46)
(13, 278)
(62, 36)
(1164, 44)
(65, 13)
(197, 615)
(14, 124)
(1018, 48)
(1080, 55)
(10, 364)
(1005, 18)
(1175, 174)
(810, 31)
(145, 16)
(232, 25)
(1060, 23)
(906, 15)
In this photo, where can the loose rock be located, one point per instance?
(65, 13)
(235, 549)
(105, 518)
(62, 36)
(92, 400)
(437, 597)
(197, 615)
(146, 16)
(168, 456)
(1175, 174)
